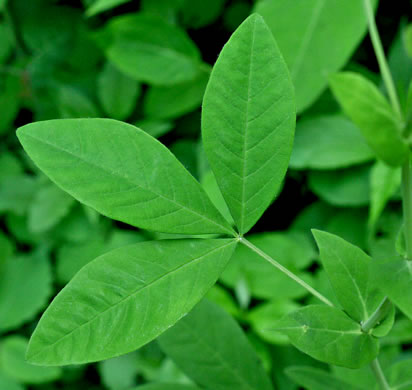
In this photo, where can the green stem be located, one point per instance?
(376, 368)
(380, 55)
(288, 273)
(407, 205)
(377, 316)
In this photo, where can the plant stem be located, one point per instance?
(380, 55)
(407, 205)
(281, 268)
(377, 315)
(376, 368)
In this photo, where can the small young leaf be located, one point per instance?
(149, 49)
(117, 93)
(347, 267)
(123, 173)
(248, 121)
(328, 142)
(126, 298)
(312, 378)
(210, 347)
(394, 279)
(369, 110)
(12, 361)
(329, 335)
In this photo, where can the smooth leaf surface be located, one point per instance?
(25, 288)
(149, 49)
(384, 182)
(117, 93)
(248, 121)
(328, 142)
(400, 375)
(119, 372)
(12, 361)
(5, 381)
(394, 279)
(99, 6)
(123, 173)
(126, 298)
(321, 27)
(210, 347)
(348, 187)
(176, 100)
(312, 378)
(347, 267)
(329, 335)
(362, 101)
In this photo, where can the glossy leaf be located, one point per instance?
(25, 289)
(348, 187)
(12, 361)
(321, 27)
(370, 111)
(139, 181)
(210, 347)
(347, 267)
(126, 298)
(117, 93)
(394, 278)
(149, 49)
(312, 378)
(329, 335)
(328, 142)
(248, 121)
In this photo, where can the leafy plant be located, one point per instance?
(198, 206)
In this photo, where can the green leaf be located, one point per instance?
(263, 317)
(148, 49)
(312, 378)
(74, 104)
(384, 182)
(99, 6)
(328, 142)
(25, 288)
(117, 93)
(394, 279)
(123, 173)
(5, 381)
(48, 207)
(347, 267)
(170, 102)
(329, 335)
(119, 372)
(200, 13)
(370, 111)
(12, 361)
(165, 386)
(347, 187)
(293, 251)
(322, 40)
(210, 347)
(16, 193)
(408, 39)
(248, 121)
(126, 298)
(156, 128)
(400, 375)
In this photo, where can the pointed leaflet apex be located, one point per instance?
(248, 121)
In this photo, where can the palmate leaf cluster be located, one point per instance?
(190, 213)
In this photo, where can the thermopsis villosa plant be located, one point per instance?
(129, 296)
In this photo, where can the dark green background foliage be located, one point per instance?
(147, 63)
